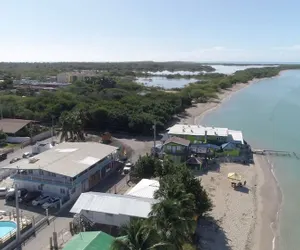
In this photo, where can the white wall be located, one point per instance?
(47, 188)
(11, 139)
(107, 219)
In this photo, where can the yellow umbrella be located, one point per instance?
(234, 176)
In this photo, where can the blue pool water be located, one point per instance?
(6, 227)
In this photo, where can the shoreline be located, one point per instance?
(264, 230)
(254, 223)
(196, 113)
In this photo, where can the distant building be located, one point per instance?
(67, 169)
(16, 129)
(70, 77)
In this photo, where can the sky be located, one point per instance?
(157, 30)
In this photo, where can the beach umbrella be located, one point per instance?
(234, 176)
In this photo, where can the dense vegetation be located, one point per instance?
(171, 223)
(117, 103)
(40, 70)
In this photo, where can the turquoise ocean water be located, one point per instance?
(268, 113)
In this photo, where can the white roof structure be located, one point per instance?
(199, 130)
(236, 136)
(67, 158)
(113, 204)
(145, 188)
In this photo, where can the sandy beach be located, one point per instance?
(247, 218)
(245, 215)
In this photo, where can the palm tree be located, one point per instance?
(173, 218)
(138, 236)
(72, 125)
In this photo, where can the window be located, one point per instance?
(41, 172)
(178, 148)
(30, 171)
(73, 190)
(40, 187)
(169, 147)
(54, 175)
(62, 191)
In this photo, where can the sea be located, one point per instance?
(268, 113)
(163, 82)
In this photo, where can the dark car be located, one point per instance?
(11, 196)
(14, 160)
(30, 196)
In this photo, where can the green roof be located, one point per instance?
(90, 241)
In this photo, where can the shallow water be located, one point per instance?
(268, 114)
(163, 82)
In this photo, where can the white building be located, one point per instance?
(145, 189)
(67, 169)
(195, 133)
(63, 77)
(41, 147)
(112, 209)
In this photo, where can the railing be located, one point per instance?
(42, 180)
(67, 183)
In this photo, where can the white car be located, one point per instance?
(52, 202)
(40, 200)
(128, 167)
(26, 155)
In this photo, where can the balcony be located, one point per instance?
(43, 180)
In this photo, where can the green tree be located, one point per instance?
(173, 219)
(146, 166)
(137, 235)
(72, 126)
(180, 176)
(3, 136)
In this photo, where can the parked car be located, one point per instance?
(127, 168)
(11, 194)
(3, 156)
(40, 200)
(30, 196)
(52, 202)
(13, 160)
(3, 191)
(26, 155)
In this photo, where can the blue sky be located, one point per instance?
(160, 30)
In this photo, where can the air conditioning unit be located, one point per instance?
(33, 160)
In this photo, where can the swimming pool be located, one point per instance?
(6, 227)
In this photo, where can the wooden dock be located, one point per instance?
(276, 153)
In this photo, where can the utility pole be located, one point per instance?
(1, 110)
(154, 134)
(17, 214)
(52, 132)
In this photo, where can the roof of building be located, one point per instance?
(199, 130)
(90, 241)
(236, 135)
(67, 158)
(145, 188)
(11, 126)
(113, 204)
(177, 140)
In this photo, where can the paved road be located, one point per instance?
(19, 153)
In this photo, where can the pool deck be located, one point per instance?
(23, 223)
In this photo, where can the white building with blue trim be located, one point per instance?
(66, 170)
